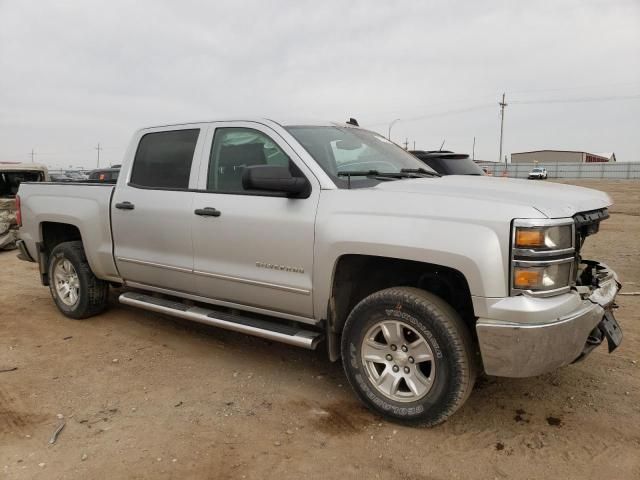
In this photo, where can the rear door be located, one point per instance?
(258, 249)
(152, 208)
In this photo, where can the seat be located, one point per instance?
(232, 161)
(14, 184)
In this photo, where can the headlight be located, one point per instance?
(543, 277)
(542, 256)
(557, 237)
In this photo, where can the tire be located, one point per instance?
(429, 390)
(68, 266)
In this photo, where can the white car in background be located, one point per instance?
(538, 173)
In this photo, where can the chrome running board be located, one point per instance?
(251, 326)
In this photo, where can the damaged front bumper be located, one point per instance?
(518, 341)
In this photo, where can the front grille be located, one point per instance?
(588, 223)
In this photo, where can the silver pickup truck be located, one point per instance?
(324, 232)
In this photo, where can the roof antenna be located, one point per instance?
(442, 144)
(353, 121)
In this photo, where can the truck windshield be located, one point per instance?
(345, 149)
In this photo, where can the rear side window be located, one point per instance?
(163, 159)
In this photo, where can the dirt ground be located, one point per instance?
(147, 396)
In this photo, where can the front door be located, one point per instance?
(258, 248)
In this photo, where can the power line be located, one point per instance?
(574, 88)
(451, 112)
(70, 151)
(577, 100)
(436, 114)
(519, 102)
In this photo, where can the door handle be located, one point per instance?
(125, 206)
(208, 212)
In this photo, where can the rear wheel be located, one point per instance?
(408, 355)
(78, 293)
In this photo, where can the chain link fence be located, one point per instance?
(620, 170)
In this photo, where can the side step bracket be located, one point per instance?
(251, 326)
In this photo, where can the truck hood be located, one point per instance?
(551, 199)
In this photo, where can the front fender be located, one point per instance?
(451, 236)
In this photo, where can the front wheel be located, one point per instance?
(408, 355)
(78, 293)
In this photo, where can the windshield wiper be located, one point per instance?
(373, 173)
(421, 171)
(403, 173)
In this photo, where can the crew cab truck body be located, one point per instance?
(304, 233)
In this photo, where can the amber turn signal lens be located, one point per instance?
(527, 238)
(527, 278)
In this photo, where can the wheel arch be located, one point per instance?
(51, 235)
(54, 233)
(357, 276)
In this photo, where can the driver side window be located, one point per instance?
(235, 149)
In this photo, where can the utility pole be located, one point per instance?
(414, 144)
(502, 105)
(98, 148)
(406, 144)
(33, 155)
(473, 154)
(391, 125)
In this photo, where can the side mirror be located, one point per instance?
(275, 178)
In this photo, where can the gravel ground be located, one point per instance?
(144, 396)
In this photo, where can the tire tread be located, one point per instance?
(458, 336)
(97, 291)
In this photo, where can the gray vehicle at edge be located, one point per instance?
(306, 233)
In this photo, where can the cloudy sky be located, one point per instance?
(77, 73)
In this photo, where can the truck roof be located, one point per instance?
(282, 123)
